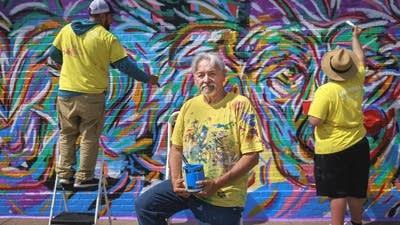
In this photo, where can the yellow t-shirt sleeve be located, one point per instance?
(250, 133)
(58, 40)
(117, 51)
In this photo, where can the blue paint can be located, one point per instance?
(193, 173)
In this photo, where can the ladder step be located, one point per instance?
(71, 187)
(73, 218)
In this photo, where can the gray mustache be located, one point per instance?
(208, 85)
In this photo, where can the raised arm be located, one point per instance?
(129, 67)
(357, 48)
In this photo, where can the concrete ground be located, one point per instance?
(104, 221)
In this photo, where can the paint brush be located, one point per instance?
(185, 160)
(350, 23)
(369, 42)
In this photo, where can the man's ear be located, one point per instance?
(103, 17)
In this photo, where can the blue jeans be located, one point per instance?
(160, 202)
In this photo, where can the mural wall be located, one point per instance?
(272, 49)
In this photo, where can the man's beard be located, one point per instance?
(208, 89)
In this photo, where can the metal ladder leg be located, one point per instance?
(53, 199)
(102, 192)
(108, 206)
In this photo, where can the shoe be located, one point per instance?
(66, 181)
(86, 183)
(347, 223)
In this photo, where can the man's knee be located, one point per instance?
(153, 199)
(140, 204)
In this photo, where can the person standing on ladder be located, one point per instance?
(85, 49)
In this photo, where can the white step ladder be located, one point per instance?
(68, 217)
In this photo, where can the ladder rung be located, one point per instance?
(71, 188)
(73, 218)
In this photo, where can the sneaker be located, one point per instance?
(86, 183)
(347, 223)
(66, 181)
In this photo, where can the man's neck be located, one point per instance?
(214, 99)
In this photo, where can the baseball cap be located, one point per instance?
(100, 6)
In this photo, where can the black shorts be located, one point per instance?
(343, 174)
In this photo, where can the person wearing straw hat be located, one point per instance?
(341, 148)
(219, 130)
(85, 49)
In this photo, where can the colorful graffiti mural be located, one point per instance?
(272, 49)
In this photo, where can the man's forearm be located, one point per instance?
(130, 68)
(175, 162)
(357, 48)
(241, 168)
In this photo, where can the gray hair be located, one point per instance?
(214, 58)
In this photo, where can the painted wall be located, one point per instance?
(272, 50)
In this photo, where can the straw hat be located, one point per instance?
(340, 64)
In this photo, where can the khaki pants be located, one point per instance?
(79, 116)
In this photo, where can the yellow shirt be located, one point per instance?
(216, 136)
(339, 105)
(86, 58)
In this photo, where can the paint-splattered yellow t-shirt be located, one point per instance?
(216, 136)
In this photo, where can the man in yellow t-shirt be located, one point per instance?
(219, 130)
(85, 49)
(341, 148)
